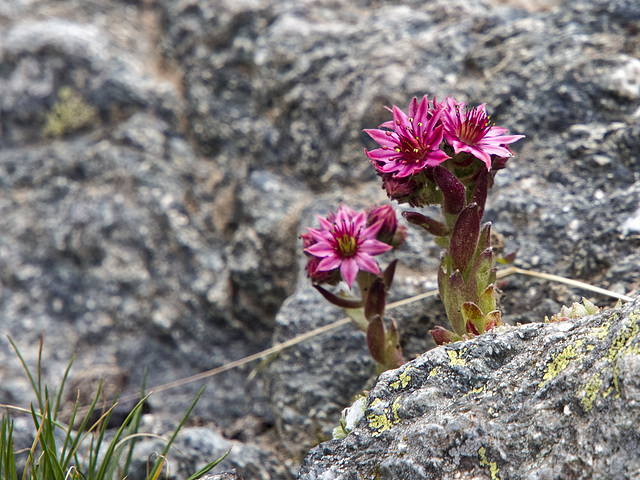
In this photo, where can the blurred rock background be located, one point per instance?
(159, 158)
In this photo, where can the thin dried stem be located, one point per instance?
(340, 323)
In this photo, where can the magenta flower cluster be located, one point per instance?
(437, 153)
(411, 142)
(429, 134)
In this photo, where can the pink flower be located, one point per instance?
(470, 130)
(346, 243)
(332, 277)
(411, 142)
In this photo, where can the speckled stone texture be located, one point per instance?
(156, 230)
(537, 401)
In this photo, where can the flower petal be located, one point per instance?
(380, 154)
(401, 120)
(321, 249)
(436, 157)
(384, 137)
(349, 270)
(413, 107)
(367, 263)
(374, 247)
(329, 263)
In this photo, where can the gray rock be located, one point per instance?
(268, 218)
(195, 447)
(158, 228)
(223, 476)
(536, 401)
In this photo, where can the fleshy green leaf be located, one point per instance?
(474, 318)
(479, 275)
(487, 300)
(452, 295)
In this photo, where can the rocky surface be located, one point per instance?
(538, 401)
(159, 158)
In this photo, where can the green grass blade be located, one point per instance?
(135, 428)
(112, 445)
(39, 391)
(175, 433)
(102, 424)
(26, 369)
(182, 422)
(82, 433)
(7, 458)
(56, 410)
(67, 451)
(31, 460)
(50, 460)
(208, 467)
(4, 441)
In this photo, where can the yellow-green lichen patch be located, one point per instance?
(403, 380)
(378, 422)
(602, 331)
(591, 390)
(607, 392)
(69, 114)
(473, 390)
(433, 372)
(394, 409)
(561, 361)
(484, 462)
(625, 337)
(456, 359)
(622, 345)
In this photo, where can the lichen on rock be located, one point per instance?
(534, 398)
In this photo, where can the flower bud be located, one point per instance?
(390, 232)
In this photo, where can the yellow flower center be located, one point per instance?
(347, 245)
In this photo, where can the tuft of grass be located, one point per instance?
(60, 452)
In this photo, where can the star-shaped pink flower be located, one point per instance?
(410, 142)
(347, 244)
(470, 130)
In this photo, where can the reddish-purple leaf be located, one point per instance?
(464, 238)
(442, 336)
(376, 339)
(376, 300)
(453, 191)
(480, 190)
(389, 273)
(338, 301)
(430, 225)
